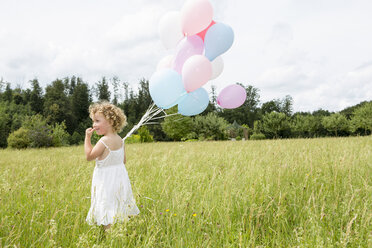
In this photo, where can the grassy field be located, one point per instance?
(274, 193)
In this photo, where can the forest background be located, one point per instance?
(58, 115)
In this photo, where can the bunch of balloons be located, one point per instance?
(199, 42)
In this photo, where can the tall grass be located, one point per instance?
(273, 193)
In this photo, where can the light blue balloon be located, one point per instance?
(166, 88)
(194, 103)
(218, 39)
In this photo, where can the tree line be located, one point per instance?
(57, 115)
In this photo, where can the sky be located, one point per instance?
(319, 51)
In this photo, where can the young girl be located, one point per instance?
(111, 196)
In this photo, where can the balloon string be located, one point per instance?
(149, 123)
(149, 115)
(164, 116)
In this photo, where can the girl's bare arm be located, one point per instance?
(91, 152)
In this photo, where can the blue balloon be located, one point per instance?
(218, 39)
(194, 103)
(166, 88)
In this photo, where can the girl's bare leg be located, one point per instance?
(106, 227)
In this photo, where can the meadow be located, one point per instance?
(270, 193)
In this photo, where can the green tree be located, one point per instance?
(80, 101)
(145, 135)
(126, 90)
(320, 130)
(115, 81)
(304, 125)
(2, 85)
(59, 135)
(276, 125)
(143, 97)
(336, 123)
(257, 127)
(71, 85)
(286, 105)
(281, 106)
(257, 131)
(36, 98)
(177, 127)
(5, 124)
(349, 111)
(8, 93)
(76, 138)
(212, 105)
(17, 120)
(362, 118)
(17, 96)
(298, 125)
(11, 118)
(19, 139)
(321, 112)
(270, 106)
(26, 94)
(210, 127)
(129, 106)
(103, 92)
(57, 105)
(40, 133)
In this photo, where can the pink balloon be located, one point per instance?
(196, 71)
(196, 15)
(232, 96)
(189, 46)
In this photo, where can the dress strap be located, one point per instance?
(105, 144)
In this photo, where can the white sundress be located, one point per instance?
(111, 197)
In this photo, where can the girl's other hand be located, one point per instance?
(89, 132)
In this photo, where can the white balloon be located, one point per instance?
(217, 67)
(170, 30)
(165, 62)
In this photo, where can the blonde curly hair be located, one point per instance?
(113, 114)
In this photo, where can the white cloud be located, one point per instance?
(283, 78)
(317, 51)
(339, 92)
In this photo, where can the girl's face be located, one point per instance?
(100, 124)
